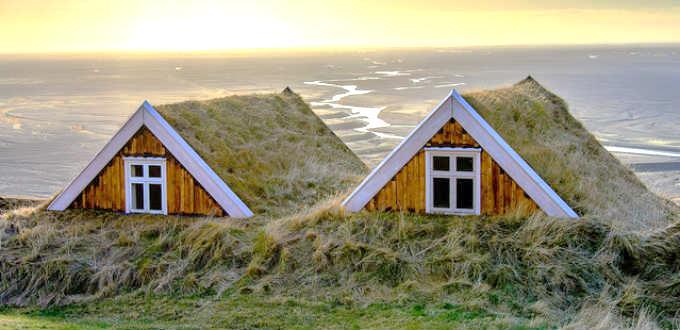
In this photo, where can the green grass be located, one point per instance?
(261, 312)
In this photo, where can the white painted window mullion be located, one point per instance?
(453, 175)
(146, 181)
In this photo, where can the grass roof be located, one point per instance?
(279, 157)
(537, 124)
(271, 149)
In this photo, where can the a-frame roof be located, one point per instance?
(454, 106)
(148, 117)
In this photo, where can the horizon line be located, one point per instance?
(312, 49)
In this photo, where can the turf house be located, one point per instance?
(454, 162)
(223, 157)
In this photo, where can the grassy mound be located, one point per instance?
(497, 271)
(537, 124)
(271, 149)
(307, 264)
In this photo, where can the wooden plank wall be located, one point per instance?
(185, 195)
(452, 135)
(500, 193)
(406, 191)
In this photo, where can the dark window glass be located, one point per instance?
(138, 196)
(440, 163)
(137, 170)
(441, 192)
(464, 193)
(464, 164)
(154, 171)
(155, 197)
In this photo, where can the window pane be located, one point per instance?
(440, 163)
(441, 192)
(155, 197)
(464, 194)
(464, 164)
(154, 171)
(137, 196)
(137, 170)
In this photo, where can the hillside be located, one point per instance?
(310, 265)
(271, 149)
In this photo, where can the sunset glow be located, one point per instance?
(125, 25)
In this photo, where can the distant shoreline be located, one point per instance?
(238, 52)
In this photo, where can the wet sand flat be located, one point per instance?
(56, 113)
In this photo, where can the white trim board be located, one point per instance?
(454, 106)
(147, 116)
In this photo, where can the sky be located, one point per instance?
(45, 26)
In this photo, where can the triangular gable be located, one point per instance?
(148, 117)
(454, 106)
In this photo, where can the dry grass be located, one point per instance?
(541, 268)
(11, 204)
(271, 149)
(537, 124)
(576, 274)
(603, 317)
(60, 258)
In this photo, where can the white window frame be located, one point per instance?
(453, 175)
(145, 180)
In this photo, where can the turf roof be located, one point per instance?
(279, 157)
(271, 149)
(538, 125)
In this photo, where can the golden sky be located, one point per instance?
(37, 26)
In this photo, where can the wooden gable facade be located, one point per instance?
(184, 194)
(454, 162)
(500, 194)
(147, 167)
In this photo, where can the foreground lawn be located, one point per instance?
(246, 312)
(13, 320)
